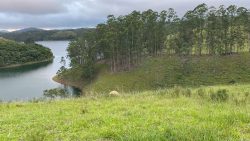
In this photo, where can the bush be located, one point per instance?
(201, 93)
(220, 96)
(187, 93)
(247, 94)
(176, 91)
(53, 93)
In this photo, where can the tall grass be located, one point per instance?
(165, 114)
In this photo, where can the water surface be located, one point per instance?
(28, 82)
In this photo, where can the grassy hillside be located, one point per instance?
(170, 114)
(164, 72)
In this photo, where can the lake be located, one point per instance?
(29, 82)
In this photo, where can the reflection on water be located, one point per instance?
(28, 82)
(12, 72)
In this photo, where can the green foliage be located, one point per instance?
(12, 53)
(54, 93)
(124, 41)
(201, 93)
(220, 96)
(82, 53)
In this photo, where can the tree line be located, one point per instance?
(124, 41)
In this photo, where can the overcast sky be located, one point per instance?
(51, 14)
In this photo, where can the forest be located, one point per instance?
(13, 53)
(124, 41)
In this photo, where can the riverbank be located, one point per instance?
(75, 84)
(26, 64)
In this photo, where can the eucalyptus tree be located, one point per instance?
(212, 38)
(187, 28)
(232, 39)
(82, 54)
(149, 19)
(200, 19)
(223, 26)
(123, 41)
(241, 31)
(172, 24)
(248, 27)
(161, 30)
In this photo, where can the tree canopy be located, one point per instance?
(12, 53)
(123, 41)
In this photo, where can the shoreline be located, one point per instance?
(25, 64)
(65, 82)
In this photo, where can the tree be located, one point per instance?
(123, 41)
(82, 54)
(212, 38)
(200, 19)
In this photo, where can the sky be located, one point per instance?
(61, 14)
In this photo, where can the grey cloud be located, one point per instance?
(31, 6)
(87, 13)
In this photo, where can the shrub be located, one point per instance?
(201, 93)
(220, 96)
(247, 94)
(187, 93)
(176, 91)
(53, 93)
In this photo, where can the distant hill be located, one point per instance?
(30, 29)
(4, 31)
(37, 34)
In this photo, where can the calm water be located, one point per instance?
(29, 82)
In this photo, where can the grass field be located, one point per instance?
(168, 114)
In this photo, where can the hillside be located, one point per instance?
(28, 30)
(171, 114)
(36, 34)
(162, 72)
(14, 54)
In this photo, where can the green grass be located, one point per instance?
(149, 115)
(162, 72)
(166, 72)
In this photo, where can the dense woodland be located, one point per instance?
(13, 53)
(125, 40)
(35, 34)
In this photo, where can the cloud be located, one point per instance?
(31, 6)
(86, 13)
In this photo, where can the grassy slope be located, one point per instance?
(151, 115)
(165, 72)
